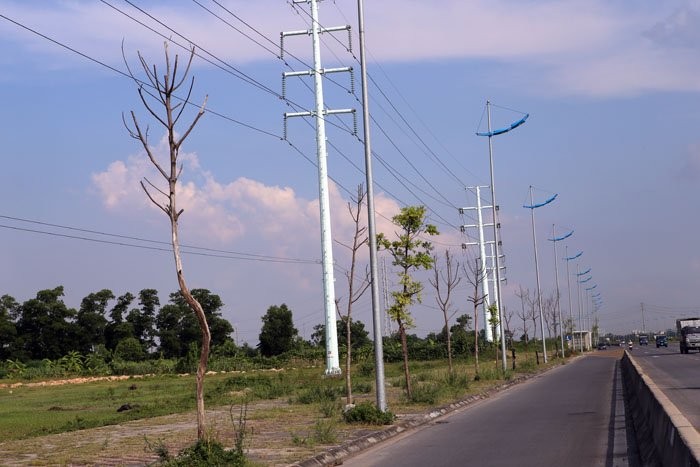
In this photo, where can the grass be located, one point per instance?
(27, 411)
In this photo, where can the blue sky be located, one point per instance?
(611, 89)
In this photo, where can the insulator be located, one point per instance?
(464, 246)
(349, 40)
(281, 45)
(462, 228)
(284, 130)
(354, 123)
(352, 81)
(461, 210)
(284, 87)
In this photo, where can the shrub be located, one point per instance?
(129, 349)
(206, 453)
(425, 394)
(366, 412)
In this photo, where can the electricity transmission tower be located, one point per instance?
(319, 114)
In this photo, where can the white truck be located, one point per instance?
(688, 334)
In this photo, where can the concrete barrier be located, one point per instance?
(662, 430)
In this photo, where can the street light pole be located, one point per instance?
(554, 241)
(371, 229)
(532, 208)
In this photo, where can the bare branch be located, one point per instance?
(144, 142)
(163, 208)
(196, 119)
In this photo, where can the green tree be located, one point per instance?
(410, 252)
(45, 328)
(278, 332)
(91, 320)
(143, 319)
(9, 308)
(118, 329)
(178, 327)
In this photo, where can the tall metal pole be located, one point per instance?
(537, 274)
(495, 239)
(578, 293)
(332, 358)
(376, 312)
(568, 286)
(556, 281)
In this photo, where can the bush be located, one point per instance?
(206, 453)
(366, 412)
(130, 350)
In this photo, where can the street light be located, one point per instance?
(579, 282)
(554, 241)
(532, 206)
(568, 284)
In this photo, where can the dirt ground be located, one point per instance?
(278, 434)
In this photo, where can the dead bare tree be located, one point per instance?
(475, 276)
(166, 108)
(450, 280)
(523, 315)
(358, 241)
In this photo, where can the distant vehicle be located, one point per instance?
(602, 346)
(643, 340)
(629, 345)
(661, 341)
(688, 334)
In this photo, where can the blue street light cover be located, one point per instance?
(563, 237)
(500, 131)
(570, 258)
(535, 206)
(584, 272)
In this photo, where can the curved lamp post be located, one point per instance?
(578, 283)
(532, 208)
(490, 134)
(554, 241)
(568, 284)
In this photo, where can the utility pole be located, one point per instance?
(644, 329)
(332, 358)
(376, 312)
(481, 243)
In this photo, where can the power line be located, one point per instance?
(204, 251)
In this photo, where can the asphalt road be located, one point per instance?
(572, 415)
(676, 374)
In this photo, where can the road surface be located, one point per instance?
(572, 415)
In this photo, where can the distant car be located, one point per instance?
(661, 341)
(602, 346)
(643, 340)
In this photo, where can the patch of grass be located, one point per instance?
(34, 411)
(325, 431)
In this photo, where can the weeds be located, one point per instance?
(325, 431)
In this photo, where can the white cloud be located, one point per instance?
(590, 47)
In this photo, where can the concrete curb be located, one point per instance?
(335, 455)
(675, 440)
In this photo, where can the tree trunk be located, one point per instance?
(449, 343)
(348, 361)
(196, 308)
(404, 350)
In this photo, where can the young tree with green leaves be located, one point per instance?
(410, 252)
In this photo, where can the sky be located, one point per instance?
(611, 89)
